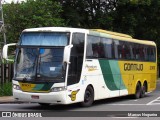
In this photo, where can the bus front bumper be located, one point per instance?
(52, 97)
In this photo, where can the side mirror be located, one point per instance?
(66, 55)
(5, 50)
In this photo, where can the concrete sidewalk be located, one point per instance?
(7, 99)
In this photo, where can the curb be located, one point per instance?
(8, 99)
(12, 102)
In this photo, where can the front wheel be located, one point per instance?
(88, 97)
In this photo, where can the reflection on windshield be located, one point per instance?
(50, 63)
(26, 61)
(39, 63)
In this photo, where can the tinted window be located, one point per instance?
(107, 48)
(94, 47)
(151, 53)
(76, 58)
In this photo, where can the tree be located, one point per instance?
(30, 14)
(88, 13)
(139, 18)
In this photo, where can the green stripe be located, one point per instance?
(107, 74)
(47, 87)
(38, 87)
(116, 74)
(43, 87)
(111, 74)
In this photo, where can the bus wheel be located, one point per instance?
(44, 104)
(138, 91)
(88, 97)
(143, 90)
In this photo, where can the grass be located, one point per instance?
(7, 61)
(6, 89)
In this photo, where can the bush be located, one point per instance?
(6, 89)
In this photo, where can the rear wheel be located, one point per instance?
(138, 91)
(88, 97)
(143, 90)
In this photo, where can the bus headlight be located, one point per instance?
(17, 87)
(57, 89)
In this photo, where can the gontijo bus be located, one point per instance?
(69, 65)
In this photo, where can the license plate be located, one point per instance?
(35, 97)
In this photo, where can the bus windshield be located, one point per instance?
(39, 64)
(41, 59)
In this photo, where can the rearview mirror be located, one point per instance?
(5, 50)
(66, 55)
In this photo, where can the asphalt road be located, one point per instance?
(119, 107)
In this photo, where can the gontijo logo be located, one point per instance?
(91, 67)
(133, 67)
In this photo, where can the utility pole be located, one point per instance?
(2, 30)
(2, 26)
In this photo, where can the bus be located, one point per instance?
(61, 65)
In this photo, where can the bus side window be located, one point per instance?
(137, 51)
(95, 50)
(121, 50)
(94, 47)
(127, 51)
(131, 50)
(107, 47)
(145, 53)
(151, 54)
(141, 52)
(98, 50)
(115, 49)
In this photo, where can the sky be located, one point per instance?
(9, 1)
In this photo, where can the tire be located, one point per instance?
(143, 90)
(88, 97)
(138, 91)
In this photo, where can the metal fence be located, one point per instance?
(6, 73)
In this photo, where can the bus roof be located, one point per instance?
(96, 32)
(112, 33)
(119, 36)
(55, 29)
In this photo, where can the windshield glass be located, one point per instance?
(40, 56)
(39, 64)
(26, 62)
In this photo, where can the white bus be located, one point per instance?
(69, 65)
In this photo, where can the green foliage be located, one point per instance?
(6, 89)
(88, 13)
(30, 14)
(10, 60)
